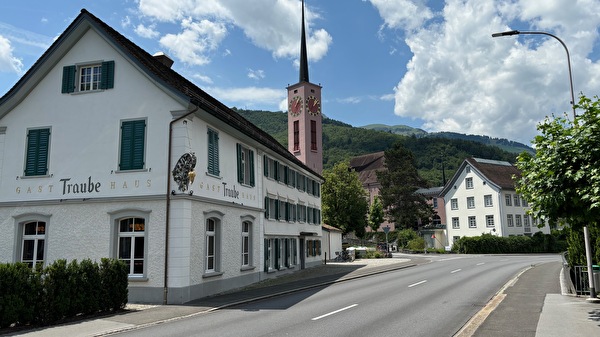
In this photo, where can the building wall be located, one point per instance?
(84, 194)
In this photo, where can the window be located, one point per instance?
(436, 220)
(90, 77)
(454, 203)
(517, 200)
(213, 153)
(509, 220)
(133, 140)
(469, 183)
(38, 146)
(489, 221)
(487, 200)
(32, 244)
(313, 135)
(472, 222)
(470, 202)
(246, 242)
(131, 246)
(455, 223)
(508, 200)
(518, 222)
(526, 221)
(212, 246)
(434, 201)
(245, 165)
(296, 135)
(468, 169)
(269, 255)
(524, 202)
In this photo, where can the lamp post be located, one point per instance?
(517, 32)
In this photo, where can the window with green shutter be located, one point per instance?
(88, 77)
(133, 142)
(213, 152)
(245, 165)
(38, 145)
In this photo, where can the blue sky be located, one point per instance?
(426, 64)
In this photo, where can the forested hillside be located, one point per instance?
(342, 141)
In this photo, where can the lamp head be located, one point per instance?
(508, 33)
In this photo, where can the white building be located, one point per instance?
(107, 152)
(481, 198)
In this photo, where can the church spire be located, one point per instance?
(303, 57)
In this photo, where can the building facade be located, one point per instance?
(105, 151)
(481, 198)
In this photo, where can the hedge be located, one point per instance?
(491, 244)
(43, 296)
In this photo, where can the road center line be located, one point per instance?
(335, 312)
(480, 263)
(455, 271)
(416, 284)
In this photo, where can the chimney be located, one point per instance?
(163, 58)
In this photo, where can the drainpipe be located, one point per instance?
(168, 210)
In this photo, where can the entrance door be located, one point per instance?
(302, 253)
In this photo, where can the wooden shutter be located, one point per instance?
(266, 259)
(266, 165)
(213, 152)
(240, 164)
(266, 207)
(68, 80)
(107, 79)
(251, 160)
(38, 143)
(133, 134)
(276, 253)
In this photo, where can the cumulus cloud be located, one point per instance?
(248, 96)
(256, 74)
(8, 62)
(460, 79)
(148, 32)
(196, 40)
(270, 25)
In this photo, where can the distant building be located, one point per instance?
(105, 151)
(481, 198)
(367, 166)
(434, 232)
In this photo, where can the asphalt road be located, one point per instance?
(434, 299)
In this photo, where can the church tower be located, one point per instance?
(305, 126)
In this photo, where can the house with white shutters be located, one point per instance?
(105, 151)
(481, 198)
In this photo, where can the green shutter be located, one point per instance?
(107, 79)
(38, 143)
(266, 207)
(240, 164)
(251, 160)
(213, 152)
(266, 259)
(266, 165)
(133, 134)
(277, 253)
(68, 80)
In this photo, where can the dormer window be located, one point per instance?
(88, 77)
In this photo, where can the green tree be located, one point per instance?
(344, 200)
(399, 183)
(376, 215)
(561, 181)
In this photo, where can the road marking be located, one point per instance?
(480, 263)
(335, 312)
(455, 271)
(416, 284)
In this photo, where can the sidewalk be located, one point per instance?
(529, 305)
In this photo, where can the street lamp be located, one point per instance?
(517, 32)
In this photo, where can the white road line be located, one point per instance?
(480, 263)
(416, 284)
(335, 312)
(455, 271)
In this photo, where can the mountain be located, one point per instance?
(505, 144)
(435, 157)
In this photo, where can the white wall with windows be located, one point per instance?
(84, 173)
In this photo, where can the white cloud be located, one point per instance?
(147, 32)
(350, 100)
(403, 14)
(256, 74)
(271, 25)
(196, 40)
(8, 62)
(461, 79)
(203, 78)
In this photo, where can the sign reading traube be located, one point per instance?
(76, 188)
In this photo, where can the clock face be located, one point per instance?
(295, 106)
(313, 105)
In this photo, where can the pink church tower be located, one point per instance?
(305, 125)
